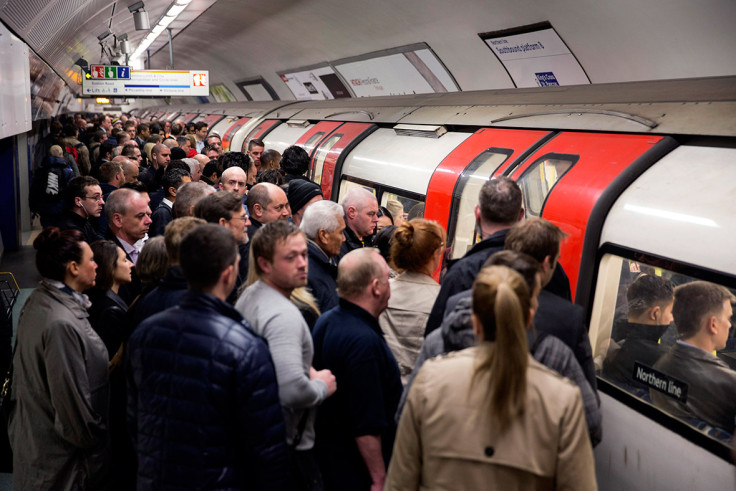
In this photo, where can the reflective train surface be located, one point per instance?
(641, 176)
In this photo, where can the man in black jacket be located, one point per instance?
(499, 207)
(203, 404)
(555, 315)
(84, 200)
(323, 225)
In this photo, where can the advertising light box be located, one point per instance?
(152, 83)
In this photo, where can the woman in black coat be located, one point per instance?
(107, 313)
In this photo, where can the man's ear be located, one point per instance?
(351, 212)
(477, 213)
(322, 235)
(222, 222)
(172, 191)
(117, 219)
(712, 325)
(257, 210)
(655, 313)
(264, 264)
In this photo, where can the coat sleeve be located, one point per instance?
(405, 469)
(555, 354)
(75, 419)
(261, 421)
(575, 463)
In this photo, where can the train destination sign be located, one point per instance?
(536, 56)
(152, 83)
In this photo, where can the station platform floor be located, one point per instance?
(21, 264)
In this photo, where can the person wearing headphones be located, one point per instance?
(84, 200)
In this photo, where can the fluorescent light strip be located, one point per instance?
(171, 14)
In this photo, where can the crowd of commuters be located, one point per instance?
(210, 320)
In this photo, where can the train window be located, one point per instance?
(319, 159)
(346, 185)
(312, 142)
(412, 208)
(539, 179)
(685, 370)
(463, 235)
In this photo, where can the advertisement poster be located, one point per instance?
(410, 72)
(315, 84)
(257, 89)
(537, 58)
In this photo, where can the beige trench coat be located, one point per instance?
(446, 439)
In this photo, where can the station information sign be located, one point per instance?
(109, 72)
(120, 82)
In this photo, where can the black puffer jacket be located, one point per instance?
(203, 404)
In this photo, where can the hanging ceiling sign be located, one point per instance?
(153, 83)
(413, 69)
(316, 84)
(536, 56)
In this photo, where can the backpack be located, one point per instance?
(71, 155)
(48, 189)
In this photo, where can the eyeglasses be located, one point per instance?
(96, 197)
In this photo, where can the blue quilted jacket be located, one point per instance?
(203, 404)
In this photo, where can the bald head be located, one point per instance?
(362, 278)
(267, 203)
(361, 211)
(160, 155)
(233, 179)
(130, 170)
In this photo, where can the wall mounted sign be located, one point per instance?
(153, 83)
(535, 56)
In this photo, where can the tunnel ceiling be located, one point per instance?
(622, 40)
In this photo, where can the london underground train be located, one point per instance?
(640, 176)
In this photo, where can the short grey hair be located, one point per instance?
(322, 215)
(357, 198)
(192, 163)
(119, 201)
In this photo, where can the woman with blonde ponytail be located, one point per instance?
(490, 416)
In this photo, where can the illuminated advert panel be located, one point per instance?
(153, 83)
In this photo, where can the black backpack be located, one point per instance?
(48, 189)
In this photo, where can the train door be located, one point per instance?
(188, 117)
(222, 126)
(563, 179)
(453, 189)
(331, 151)
(263, 128)
(312, 138)
(227, 138)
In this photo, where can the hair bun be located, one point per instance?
(49, 235)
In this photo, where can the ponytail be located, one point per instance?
(501, 305)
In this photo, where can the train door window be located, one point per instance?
(539, 179)
(639, 347)
(347, 184)
(312, 142)
(319, 158)
(465, 196)
(410, 207)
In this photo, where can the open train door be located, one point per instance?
(563, 180)
(453, 189)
